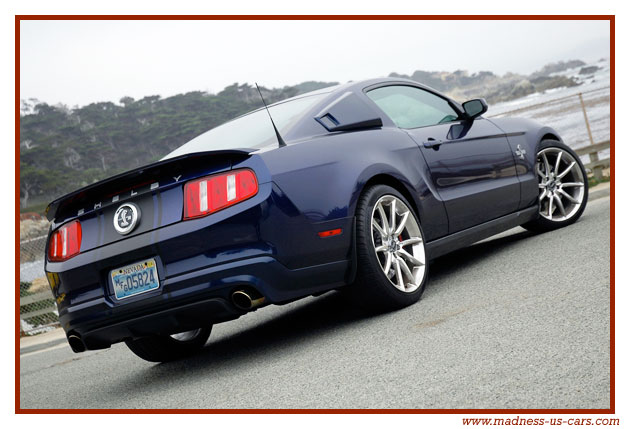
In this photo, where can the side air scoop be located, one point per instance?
(348, 113)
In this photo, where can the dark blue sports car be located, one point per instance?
(355, 187)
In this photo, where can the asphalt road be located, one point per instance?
(517, 321)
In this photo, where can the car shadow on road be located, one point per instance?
(298, 324)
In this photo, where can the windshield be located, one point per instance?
(252, 130)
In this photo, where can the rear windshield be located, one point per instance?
(252, 130)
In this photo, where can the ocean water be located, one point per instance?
(560, 108)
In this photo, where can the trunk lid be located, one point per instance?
(155, 189)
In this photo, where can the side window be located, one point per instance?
(411, 107)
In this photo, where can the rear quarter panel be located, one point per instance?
(325, 176)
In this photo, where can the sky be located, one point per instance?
(80, 62)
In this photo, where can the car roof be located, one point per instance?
(359, 86)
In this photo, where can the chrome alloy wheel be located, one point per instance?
(561, 184)
(186, 336)
(398, 244)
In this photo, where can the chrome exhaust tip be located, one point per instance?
(76, 344)
(244, 301)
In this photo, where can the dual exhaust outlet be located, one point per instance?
(245, 300)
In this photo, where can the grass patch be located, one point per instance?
(592, 181)
(37, 208)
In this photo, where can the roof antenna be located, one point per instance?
(281, 142)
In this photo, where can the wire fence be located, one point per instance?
(32, 249)
(38, 312)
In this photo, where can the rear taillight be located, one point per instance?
(65, 242)
(212, 193)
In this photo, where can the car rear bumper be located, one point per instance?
(180, 318)
(202, 298)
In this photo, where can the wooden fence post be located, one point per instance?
(594, 157)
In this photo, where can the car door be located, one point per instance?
(470, 161)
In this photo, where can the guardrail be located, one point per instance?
(552, 101)
(596, 165)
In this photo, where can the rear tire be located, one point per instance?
(402, 245)
(563, 187)
(166, 348)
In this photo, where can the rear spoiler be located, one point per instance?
(132, 179)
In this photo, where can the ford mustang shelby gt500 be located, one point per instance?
(355, 187)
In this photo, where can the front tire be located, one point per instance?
(166, 348)
(562, 184)
(391, 262)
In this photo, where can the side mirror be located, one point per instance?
(474, 108)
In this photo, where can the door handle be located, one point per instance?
(432, 143)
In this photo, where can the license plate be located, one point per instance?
(135, 279)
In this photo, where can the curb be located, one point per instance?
(29, 344)
(599, 193)
(41, 346)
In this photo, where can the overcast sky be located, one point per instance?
(79, 62)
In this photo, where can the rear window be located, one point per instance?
(252, 130)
